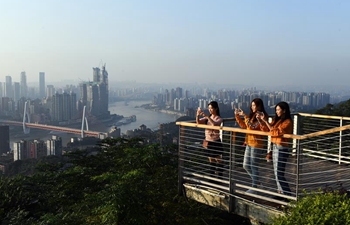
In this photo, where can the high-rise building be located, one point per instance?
(54, 146)
(178, 92)
(57, 107)
(23, 83)
(4, 139)
(96, 73)
(16, 91)
(7, 105)
(50, 91)
(37, 149)
(1, 90)
(93, 99)
(63, 107)
(20, 150)
(8, 87)
(94, 95)
(42, 84)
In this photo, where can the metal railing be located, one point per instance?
(319, 157)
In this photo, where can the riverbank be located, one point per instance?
(171, 112)
(155, 108)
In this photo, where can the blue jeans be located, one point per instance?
(250, 163)
(279, 157)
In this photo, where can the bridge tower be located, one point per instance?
(26, 119)
(82, 123)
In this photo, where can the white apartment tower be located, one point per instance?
(42, 84)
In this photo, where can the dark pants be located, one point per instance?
(214, 149)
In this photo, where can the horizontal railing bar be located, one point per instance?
(324, 116)
(329, 159)
(240, 130)
(325, 153)
(266, 192)
(262, 197)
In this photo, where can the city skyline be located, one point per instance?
(241, 42)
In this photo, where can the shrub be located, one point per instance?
(318, 209)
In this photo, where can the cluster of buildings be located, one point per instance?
(34, 149)
(29, 148)
(26, 149)
(16, 90)
(49, 105)
(187, 102)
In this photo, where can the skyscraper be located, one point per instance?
(63, 106)
(50, 91)
(24, 87)
(4, 139)
(95, 93)
(8, 87)
(16, 91)
(42, 84)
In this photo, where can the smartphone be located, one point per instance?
(260, 113)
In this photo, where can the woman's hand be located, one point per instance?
(205, 115)
(239, 111)
(199, 111)
(261, 116)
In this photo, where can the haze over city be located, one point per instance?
(260, 43)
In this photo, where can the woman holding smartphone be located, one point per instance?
(281, 124)
(212, 137)
(254, 143)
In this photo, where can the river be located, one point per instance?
(150, 118)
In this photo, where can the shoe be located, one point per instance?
(250, 191)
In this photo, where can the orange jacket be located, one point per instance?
(280, 128)
(252, 140)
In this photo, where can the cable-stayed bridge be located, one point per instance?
(54, 128)
(27, 125)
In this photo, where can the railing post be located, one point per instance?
(230, 172)
(296, 130)
(298, 169)
(340, 141)
(180, 160)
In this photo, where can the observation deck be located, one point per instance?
(319, 158)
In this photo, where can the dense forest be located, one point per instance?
(121, 181)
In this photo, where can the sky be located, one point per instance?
(245, 42)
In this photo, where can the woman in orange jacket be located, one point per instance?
(254, 143)
(281, 124)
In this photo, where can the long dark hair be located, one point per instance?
(259, 107)
(215, 105)
(284, 106)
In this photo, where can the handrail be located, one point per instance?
(324, 116)
(240, 130)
